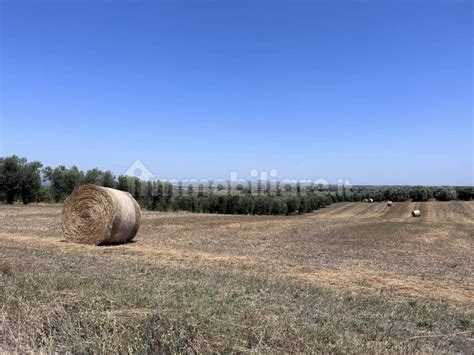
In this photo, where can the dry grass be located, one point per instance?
(350, 278)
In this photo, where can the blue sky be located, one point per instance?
(377, 92)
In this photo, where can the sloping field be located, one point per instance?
(432, 211)
(353, 277)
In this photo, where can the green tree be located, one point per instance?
(419, 193)
(278, 206)
(263, 205)
(123, 183)
(108, 179)
(10, 176)
(137, 188)
(149, 195)
(465, 193)
(167, 195)
(183, 203)
(446, 194)
(232, 203)
(93, 176)
(72, 179)
(99, 177)
(30, 181)
(214, 204)
(201, 204)
(305, 205)
(221, 204)
(18, 177)
(63, 181)
(293, 204)
(246, 204)
(44, 195)
(159, 196)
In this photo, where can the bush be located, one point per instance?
(44, 195)
(293, 204)
(420, 193)
(278, 206)
(446, 194)
(465, 193)
(246, 205)
(232, 203)
(263, 204)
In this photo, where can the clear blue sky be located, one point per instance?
(376, 92)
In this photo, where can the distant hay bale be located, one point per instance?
(371, 200)
(389, 203)
(365, 200)
(416, 213)
(100, 215)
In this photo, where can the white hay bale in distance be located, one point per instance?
(100, 215)
(389, 203)
(416, 213)
(365, 200)
(371, 200)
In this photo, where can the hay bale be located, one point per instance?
(371, 200)
(416, 213)
(100, 215)
(389, 203)
(365, 200)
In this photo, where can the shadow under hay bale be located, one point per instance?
(100, 215)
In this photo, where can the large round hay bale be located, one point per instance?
(371, 200)
(416, 213)
(100, 215)
(389, 203)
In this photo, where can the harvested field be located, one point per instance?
(354, 277)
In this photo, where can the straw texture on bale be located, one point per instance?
(416, 213)
(100, 215)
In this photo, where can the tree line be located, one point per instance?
(28, 182)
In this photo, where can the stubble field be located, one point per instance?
(353, 277)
